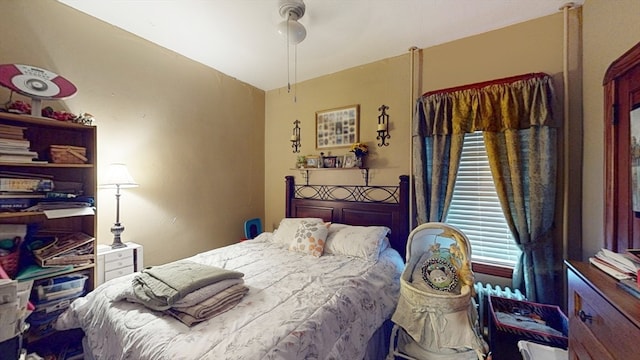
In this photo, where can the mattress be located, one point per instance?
(298, 307)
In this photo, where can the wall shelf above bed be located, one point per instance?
(305, 173)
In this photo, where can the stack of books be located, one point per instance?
(623, 267)
(14, 147)
(18, 191)
(619, 266)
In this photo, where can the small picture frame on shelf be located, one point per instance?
(329, 161)
(313, 161)
(349, 161)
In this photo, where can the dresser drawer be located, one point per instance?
(603, 332)
(117, 264)
(108, 275)
(121, 254)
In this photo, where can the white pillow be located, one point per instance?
(310, 238)
(365, 242)
(288, 227)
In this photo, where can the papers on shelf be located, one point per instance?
(616, 265)
(61, 213)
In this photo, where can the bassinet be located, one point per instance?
(436, 316)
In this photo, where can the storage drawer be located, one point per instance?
(108, 275)
(117, 264)
(119, 255)
(599, 323)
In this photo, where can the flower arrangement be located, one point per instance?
(360, 149)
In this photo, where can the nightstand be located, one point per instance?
(113, 263)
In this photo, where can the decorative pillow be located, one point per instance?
(310, 238)
(288, 227)
(365, 242)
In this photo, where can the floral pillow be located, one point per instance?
(365, 242)
(310, 238)
(288, 228)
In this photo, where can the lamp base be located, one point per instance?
(117, 230)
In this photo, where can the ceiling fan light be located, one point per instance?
(297, 31)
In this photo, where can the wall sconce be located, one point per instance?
(118, 177)
(383, 126)
(295, 137)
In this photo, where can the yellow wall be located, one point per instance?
(610, 29)
(192, 137)
(502, 53)
(199, 141)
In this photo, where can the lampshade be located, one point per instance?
(118, 175)
(297, 31)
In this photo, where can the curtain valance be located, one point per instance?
(517, 102)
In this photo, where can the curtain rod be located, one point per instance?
(488, 83)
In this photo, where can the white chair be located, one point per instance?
(436, 317)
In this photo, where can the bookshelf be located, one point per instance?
(41, 133)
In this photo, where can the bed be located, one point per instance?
(299, 306)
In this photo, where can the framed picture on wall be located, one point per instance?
(337, 127)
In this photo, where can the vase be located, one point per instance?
(360, 162)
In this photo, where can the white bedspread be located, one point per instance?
(298, 307)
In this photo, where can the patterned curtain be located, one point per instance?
(510, 112)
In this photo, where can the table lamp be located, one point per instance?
(118, 177)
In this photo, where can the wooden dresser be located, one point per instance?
(604, 321)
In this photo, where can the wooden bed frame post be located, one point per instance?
(405, 210)
(289, 194)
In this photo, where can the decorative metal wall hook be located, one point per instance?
(383, 126)
(295, 137)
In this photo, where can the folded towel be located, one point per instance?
(213, 306)
(206, 292)
(160, 287)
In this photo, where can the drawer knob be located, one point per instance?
(584, 316)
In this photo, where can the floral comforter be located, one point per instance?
(298, 307)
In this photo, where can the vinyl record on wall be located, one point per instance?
(35, 82)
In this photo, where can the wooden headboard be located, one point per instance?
(354, 205)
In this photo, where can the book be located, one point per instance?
(32, 271)
(15, 204)
(15, 142)
(608, 269)
(618, 261)
(16, 158)
(630, 286)
(28, 185)
(57, 245)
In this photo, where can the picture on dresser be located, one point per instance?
(635, 157)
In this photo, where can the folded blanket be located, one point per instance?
(206, 292)
(210, 307)
(160, 287)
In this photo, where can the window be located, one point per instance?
(475, 208)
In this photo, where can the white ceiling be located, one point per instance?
(239, 37)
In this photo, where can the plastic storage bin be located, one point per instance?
(61, 287)
(534, 351)
(513, 320)
(45, 314)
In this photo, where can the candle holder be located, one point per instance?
(383, 126)
(295, 137)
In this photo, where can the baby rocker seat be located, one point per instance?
(436, 317)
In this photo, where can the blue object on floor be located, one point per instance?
(252, 228)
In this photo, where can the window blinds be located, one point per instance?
(475, 207)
